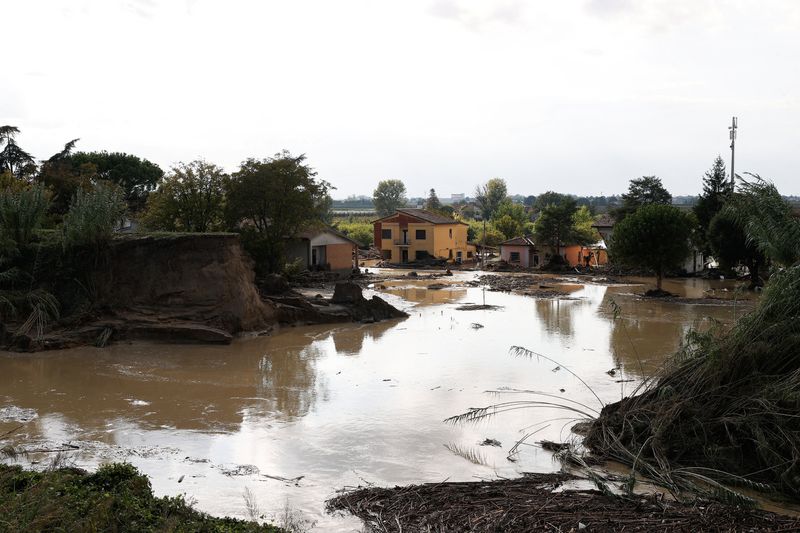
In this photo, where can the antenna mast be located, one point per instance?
(732, 127)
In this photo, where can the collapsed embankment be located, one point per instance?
(167, 287)
(164, 287)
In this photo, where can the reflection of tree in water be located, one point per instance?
(647, 332)
(350, 340)
(287, 382)
(558, 316)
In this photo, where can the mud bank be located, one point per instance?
(179, 288)
(542, 502)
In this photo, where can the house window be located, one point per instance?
(386, 254)
(386, 234)
(421, 254)
(514, 258)
(535, 260)
(451, 233)
(420, 234)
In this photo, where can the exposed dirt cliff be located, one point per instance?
(202, 278)
(166, 287)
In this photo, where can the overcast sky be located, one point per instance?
(573, 95)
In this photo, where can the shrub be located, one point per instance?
(22, 212)
(93, 215)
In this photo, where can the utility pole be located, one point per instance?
(733, 127)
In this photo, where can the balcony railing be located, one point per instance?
(401, 242)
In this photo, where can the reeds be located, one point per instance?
(725, 410)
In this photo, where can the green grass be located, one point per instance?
(116, 498)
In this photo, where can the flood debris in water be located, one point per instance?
(531, 503)
(478, 307)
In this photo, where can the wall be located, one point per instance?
(576, 253)
(340, 256)
(437, 243)
(525, 255)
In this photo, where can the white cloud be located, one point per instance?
(578, 97)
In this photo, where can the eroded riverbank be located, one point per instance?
(295, 416)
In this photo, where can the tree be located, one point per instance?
(271, 199)
(550, 198)
(730, 245)
(555, 225)
(582, 221)
(647, 190)
(433, 203)
(136, 176)
(511, 219)
(716, 191)
(191, 198)
(488, 198)
(388, 196)
(655, 236)
(63, 178)
(14, 159)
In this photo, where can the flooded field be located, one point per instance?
(294, 416)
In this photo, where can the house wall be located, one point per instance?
(438, 241)
(575, 255)
(525, 255)
(340, 256)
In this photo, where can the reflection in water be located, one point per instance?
(341, 404)
(350, 340)
(647, 330)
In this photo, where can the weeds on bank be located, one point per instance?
(115, 498)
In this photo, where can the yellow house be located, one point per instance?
(416, 234)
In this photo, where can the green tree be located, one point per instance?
(556, 224)
(655, 236)
(582, 222)
(730, 245)
(361, 232)
(388, 196)
(511, 219)
(136, 176)
(14, 159)
(191, 198)
(63, 178)
(271, 199)
(647, 190)
(433, 203)
(488, 199)
(716, 191)
(550, 198)
(768, 220)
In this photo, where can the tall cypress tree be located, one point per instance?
(716, 191)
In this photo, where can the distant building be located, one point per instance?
(605, 227)
(455, 198)
(323, 249)
(520, 251)
(416, 234)
(523, 252)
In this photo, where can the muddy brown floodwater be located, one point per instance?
(295, 416)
